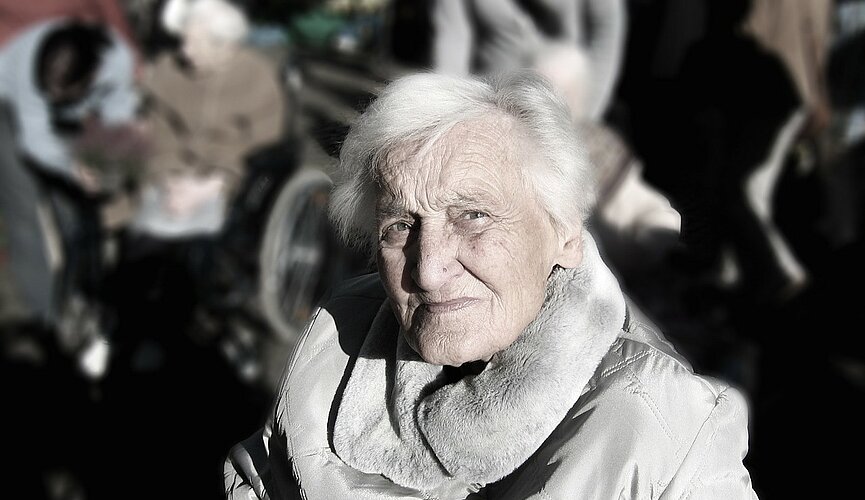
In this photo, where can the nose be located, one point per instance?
(435, 262)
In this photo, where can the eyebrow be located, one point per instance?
(464, 201)
(390, 209)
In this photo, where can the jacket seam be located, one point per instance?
(625, 362)
(656, 413)
(660, 483)
(710, 441)
(640, 327)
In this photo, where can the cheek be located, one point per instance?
(395, 277)
(390, 266)
(507, 258)
(516, 272)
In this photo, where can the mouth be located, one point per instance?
(449, 305)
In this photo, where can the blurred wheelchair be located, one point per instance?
(274, 260)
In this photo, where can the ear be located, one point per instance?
(571, 251)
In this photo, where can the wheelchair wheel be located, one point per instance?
(294, 251)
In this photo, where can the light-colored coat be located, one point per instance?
(204, 129)
(590, 402)
(210, 123)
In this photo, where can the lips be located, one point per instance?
(449, 305)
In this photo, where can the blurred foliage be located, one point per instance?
(281, 11)
(323, 25)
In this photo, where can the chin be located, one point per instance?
(446, 360)
(432, 353)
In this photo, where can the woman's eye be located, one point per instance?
(398, 227)
(474, 215)
(397, 230)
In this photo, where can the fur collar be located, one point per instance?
(400, 417)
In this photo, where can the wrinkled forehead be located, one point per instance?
(495, 144)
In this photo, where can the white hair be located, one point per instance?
(173, 15)
(420, 108)
(224, 20)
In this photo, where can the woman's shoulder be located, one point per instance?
(668, 405)
(342, 319)
(645, 370)
(324, 349)
(660, 425)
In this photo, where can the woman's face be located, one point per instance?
(205, 51)
(465, 249)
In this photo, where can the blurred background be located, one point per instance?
(164, 177)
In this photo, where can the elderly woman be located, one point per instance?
(492, 354)
(210, 106)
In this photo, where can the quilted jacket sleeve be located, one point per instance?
(713, 467)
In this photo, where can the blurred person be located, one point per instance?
(209, 106)
(800, 33)
(737, 113)
(493, 340)
(632, 215)
(578, 46)
(480, 36)
(54, 78)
